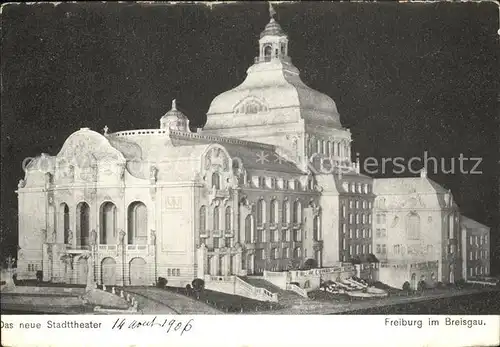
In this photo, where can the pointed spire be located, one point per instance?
(174, 105)
(272, 12)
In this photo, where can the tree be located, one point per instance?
(421, 286)
(198, 285)
(162, 282)
(310, 264)
(406, 286)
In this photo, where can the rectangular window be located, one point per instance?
(343, 228)
(216, 242)
(384, 250)
(351, 233)
(378, 249)
(351, 250)
(369, 248)
(470, 272)
(343, 243)
(377, 233)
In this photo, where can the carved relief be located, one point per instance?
(21, 183)
(250, 105)
(216, 159)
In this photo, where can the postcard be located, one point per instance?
(250, 173)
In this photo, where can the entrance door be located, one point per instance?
(452, 274)
(108, 271)
(81, 269)
(413, 282)
(138, 272)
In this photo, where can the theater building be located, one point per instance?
(267, 184)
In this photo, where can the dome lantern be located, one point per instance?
(175, 119)
(273, 42)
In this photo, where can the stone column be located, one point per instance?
(201, 260)
(215, 264)
(237, 267)
(226, 263)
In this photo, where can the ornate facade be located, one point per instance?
(249, 192)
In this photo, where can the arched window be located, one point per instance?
(297, 212)
(65, 222)
(137, 223)
(216, 180)
(83, 223)
(261, 212)
(203, 219)
(413, 226)
(249, 234)
(328, 148)
(316, 228)
(107, 229)
(273, 211)
(228, 223)
(285, 213)
(216, 218)
(268, 51)
(451, 233)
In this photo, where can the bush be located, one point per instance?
(406, 286)
(161, 283)
(14, 278)
(440, 285)
(460, 283)
(39, 276)
(198, 286)
(310, 264)
(189, 290)
(421, 286)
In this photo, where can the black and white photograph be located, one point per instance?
(251, 158)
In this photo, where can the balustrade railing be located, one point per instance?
(296, 289)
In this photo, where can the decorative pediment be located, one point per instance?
(216, 159)
(250, 105)
(87, 156)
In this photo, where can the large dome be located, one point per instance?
(273, 85)
(272, 92)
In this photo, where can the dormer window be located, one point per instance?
(262, 181)
(268, 52)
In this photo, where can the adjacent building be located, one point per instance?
(475, 249)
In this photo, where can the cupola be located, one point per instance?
(174, 120)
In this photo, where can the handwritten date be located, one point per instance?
(170, 325)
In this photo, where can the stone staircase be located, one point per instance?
(285, 297)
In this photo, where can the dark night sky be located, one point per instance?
(407, 78)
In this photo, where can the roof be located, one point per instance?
(471, 223)
(272, 29)
(407, 185)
